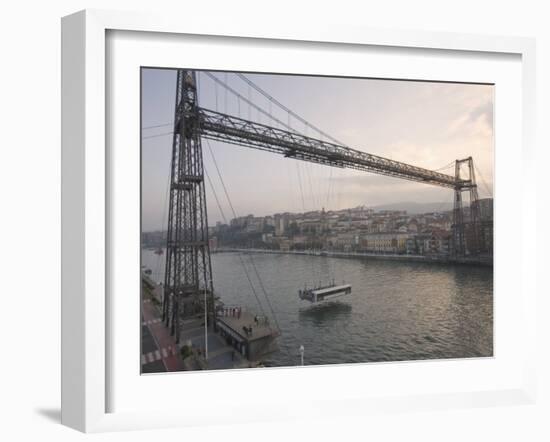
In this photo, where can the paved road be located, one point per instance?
(160, 353)
(148, 345)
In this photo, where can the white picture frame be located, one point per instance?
(86, 205)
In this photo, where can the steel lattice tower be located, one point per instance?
(466, 235)
(188, 272)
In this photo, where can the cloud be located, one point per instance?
(475, 116)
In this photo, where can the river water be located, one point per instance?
(397, 310)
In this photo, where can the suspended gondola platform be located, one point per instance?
(326, 293)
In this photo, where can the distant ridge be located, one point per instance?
(416, 208)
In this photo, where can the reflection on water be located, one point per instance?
(397, 310)
(322, 314)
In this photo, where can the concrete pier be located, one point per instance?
(251, 335)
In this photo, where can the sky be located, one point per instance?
(426, 124)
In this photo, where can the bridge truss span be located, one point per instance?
(230, 129)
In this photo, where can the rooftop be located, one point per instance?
(237, 323)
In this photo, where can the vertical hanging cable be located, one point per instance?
(225, 93)
(216, 94)
(301, 188)
(235, 216)
(222, 213)
(286, 109)
(249, 101)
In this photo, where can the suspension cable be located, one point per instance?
(249, 102)
(157, 125)
(157, 135)
(286, 109)
(480, 175)
(447, 166)
(235, 215)
(164, 216)
(238, 253)
(301, 188)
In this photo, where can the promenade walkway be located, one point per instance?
(160, 352)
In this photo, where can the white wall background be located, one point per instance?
(30, 215)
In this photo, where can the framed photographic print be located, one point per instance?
(309, 218)
(329, 259)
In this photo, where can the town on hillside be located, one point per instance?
(358, 229)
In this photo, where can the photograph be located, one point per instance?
(302, 220)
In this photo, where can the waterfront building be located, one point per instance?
(213, 243)
(395, 242)
(487, 236)
(284, 245)
(486, 209)
(412, 226)
(267, 238)
(418, 243)
(429, 243)
(255, 225)
(240, 221)
(313, 226)
(438, 243)
(346, 241)
(299, 241)
(411, 246)
(281, 222)
(402, 228)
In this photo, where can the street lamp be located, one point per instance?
(205, 326)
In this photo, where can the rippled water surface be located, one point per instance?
(397, 310)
